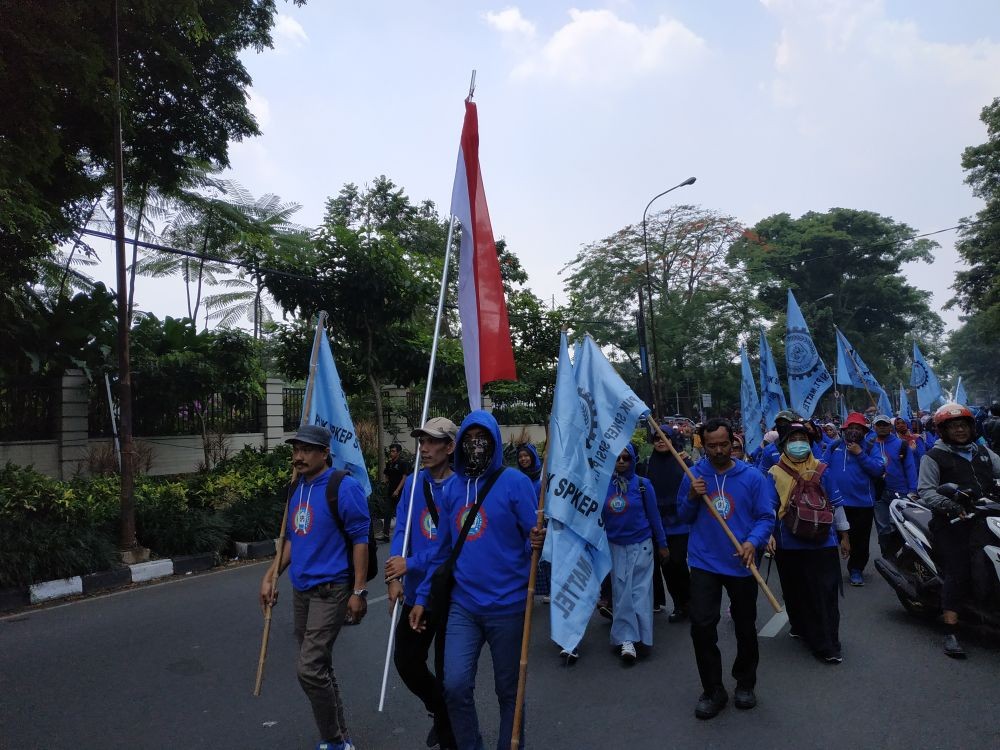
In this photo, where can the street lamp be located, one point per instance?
(825, 296)
(655, 394)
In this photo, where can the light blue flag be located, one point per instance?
(753, 434)
(922, 378)
(960, 397)
(593, 417)
(329, 408)
(904, 406)
(772, 398)
(808, 378)
(843, 408)
(851, 369)
(884, 404)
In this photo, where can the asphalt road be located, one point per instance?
(172, 666)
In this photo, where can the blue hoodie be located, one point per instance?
(900, 477)
(852, 475)
(491, 573)
(769, 457)
(319, 550)
(666, 474)
(423, 532)
(745, 499)
(536, 467)
(632, 517)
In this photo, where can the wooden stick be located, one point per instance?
(522, 677)
(715, 514)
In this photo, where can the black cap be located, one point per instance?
(311, 434)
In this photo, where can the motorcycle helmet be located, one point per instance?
(947, 412)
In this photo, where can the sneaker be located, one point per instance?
(678, 615)
(953, 648)
(345, 745)
(744, 698)
(659, 608)
(794, 636)
(569, 656)
(709, 704)
(605, 611)
(628, 652)
(834, 658)
(857, 579)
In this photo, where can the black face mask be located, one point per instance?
(478, 453)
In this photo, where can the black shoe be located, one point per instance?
(569, 657)
(605, 611)
(744, 698)
(678, 615)
(709, 704)
(953, 648)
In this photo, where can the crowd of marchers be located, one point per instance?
(460, 559)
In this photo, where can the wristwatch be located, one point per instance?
(363, 593)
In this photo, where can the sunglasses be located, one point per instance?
(626, 458)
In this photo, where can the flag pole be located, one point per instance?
(857, 369)
(522, 677)
(272, 571)
(416, 460)
(717, 517)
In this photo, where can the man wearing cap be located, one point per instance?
(406, 568)
(899, 472)
(771, 454)
(852, 470)
(327, 558)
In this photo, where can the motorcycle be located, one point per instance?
(912, 570)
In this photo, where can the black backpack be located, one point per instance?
(332, 492)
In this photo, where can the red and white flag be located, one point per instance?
(481, 305)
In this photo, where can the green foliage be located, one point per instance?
(167, 524)
(974, 350)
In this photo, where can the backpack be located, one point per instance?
(810, 515)
(332, 492)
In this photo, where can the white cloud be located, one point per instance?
(597, 46)
(510, 21)
(259, 107)
(288, 34)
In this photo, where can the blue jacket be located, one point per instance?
(632, 517)
(745, 499)
(319, 549)
(423, 531)
(900, 476)
(536, 467)
(491, 573)
(666, 474)
(852, 475)
(769, 457)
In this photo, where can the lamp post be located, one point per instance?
(654, 392)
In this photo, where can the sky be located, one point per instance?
(586, 112)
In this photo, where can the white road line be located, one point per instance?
(774, 625)
(378, 599)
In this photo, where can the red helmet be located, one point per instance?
(855, 418)
(951, 411)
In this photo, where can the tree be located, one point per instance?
(701, 302)
(857, 257)
(183, 94)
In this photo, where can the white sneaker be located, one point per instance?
(628, 651)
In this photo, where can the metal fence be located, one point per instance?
(152, 416)
(291, 405)
(29, 412)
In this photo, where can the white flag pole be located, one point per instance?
(416, 459)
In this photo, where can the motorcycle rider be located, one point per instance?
(955, 458)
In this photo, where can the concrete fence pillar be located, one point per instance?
(73, 428)
(273, 416)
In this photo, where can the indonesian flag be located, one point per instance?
(481, 305)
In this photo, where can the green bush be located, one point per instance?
(169, 526)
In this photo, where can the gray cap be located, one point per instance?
(312, 434)
(437, 427)
(882, 418)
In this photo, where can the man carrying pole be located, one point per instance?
(743, 500)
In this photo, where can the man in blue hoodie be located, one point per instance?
(899, 471)
(490, 577)
(328, 561)
(437, 445)
(745, 499)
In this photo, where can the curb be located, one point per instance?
(46, 591)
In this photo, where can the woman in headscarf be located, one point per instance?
(530, 464)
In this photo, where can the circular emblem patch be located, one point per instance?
(919, 376)
(618, 504)
(427, 527)
(478, 526)
(302, 521)
(723, 505)
(803, 359)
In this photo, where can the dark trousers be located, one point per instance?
(410, 658)
(318, 615)
(810, 583)
(706, 601)
(675, 571)
(860, 535)
(953, 554)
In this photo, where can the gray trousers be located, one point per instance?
(319, 614)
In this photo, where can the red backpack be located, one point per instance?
(809, 515)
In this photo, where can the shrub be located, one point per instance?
(167, 525)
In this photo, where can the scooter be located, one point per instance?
(912, 570)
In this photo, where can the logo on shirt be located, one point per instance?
(478, 526)
(302, 521)
(618, 504)
(723, 505)
(427, 527)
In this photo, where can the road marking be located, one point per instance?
(378, 599)
(774, 625)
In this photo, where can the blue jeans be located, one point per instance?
(464, 638)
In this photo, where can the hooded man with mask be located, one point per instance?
(490, 577)
(666, 475)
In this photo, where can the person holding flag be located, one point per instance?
(745, 499)
(666, 474)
